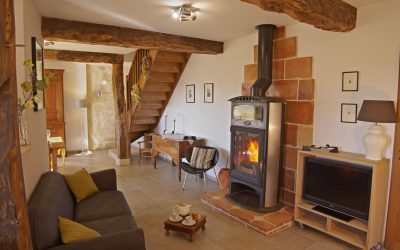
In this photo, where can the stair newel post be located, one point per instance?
(121, 126)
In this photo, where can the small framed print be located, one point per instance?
(190, 93)
(349, 113)
(209, 92)
(350, 81)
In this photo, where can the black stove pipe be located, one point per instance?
(265, 43)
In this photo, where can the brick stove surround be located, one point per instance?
(292, 81)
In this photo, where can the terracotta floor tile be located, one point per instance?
(278, 218)
(263, 225)
(289, 209)
(223, 204)
(242, 214)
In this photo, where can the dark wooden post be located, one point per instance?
(330, 15)
(14, 223)
(121, 125)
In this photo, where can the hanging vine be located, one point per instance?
(136, 92)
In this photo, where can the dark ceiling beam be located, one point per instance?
(330, 15)
(83, 57)
(54, 29)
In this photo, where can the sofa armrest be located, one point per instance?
(125, 240)
(105, 180)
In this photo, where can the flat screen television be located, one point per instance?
(339, 186)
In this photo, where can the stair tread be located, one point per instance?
(168, 56)
(141, 121)
(138, 128)
(167, 67)
(162, 77)
(166, 70)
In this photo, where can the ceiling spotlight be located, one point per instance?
(186, 12)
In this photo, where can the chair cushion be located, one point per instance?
(102, 205)
(72, 231)
(112, 224)
(201, 157)
(81, 184)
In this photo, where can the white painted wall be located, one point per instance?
(74, 90)
(210, 120)
(34, 162)
(372, 48)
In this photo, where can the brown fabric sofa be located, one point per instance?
(106, 212)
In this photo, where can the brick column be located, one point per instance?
(292, 81)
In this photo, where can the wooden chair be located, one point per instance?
(145, 146)
(198, 171)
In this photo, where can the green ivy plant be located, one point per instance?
(28, 99)
(136, 92)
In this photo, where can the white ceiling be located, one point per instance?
(218, 20)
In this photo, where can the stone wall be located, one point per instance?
(292, 81)
(101, 111)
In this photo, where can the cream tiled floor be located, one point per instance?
(152, 193)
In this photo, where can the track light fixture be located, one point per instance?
(186, 12)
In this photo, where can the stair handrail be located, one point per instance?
(135, 72)
(138, 75)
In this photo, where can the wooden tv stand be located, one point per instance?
(359, 233)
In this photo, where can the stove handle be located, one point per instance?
(261, 166)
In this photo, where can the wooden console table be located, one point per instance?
(56, 144)
(174, 146)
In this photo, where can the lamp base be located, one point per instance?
(374, 142)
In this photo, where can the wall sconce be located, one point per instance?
(186, 12)
(102, 84)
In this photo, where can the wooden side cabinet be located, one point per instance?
(54, 96)
(362, 234)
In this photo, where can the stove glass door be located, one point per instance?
(247, 146)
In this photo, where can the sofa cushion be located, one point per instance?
(112, 224)
(72, 231)
(102, 205)
(81, 184)
(50, 199)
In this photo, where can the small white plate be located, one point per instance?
(171, 218)
(188, 222)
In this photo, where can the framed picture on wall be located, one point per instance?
(190, 93)
(350, 81)
(38, 74)
(349, 113)
(209, 92)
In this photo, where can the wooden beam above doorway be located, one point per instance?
(330, 15)
(83, 57)
(54, 29)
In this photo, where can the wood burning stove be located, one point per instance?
(256, 135)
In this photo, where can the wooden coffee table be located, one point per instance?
(179, 227)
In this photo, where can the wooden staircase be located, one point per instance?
(164, 73)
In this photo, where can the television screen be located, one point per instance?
(339, 186)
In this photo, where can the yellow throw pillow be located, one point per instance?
(72, 231)
(81, 184)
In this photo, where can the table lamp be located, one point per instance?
(376, 111)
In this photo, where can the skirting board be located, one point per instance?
(119, 162)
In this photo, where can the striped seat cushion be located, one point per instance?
(201, 157)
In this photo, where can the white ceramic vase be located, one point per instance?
(375, 142)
